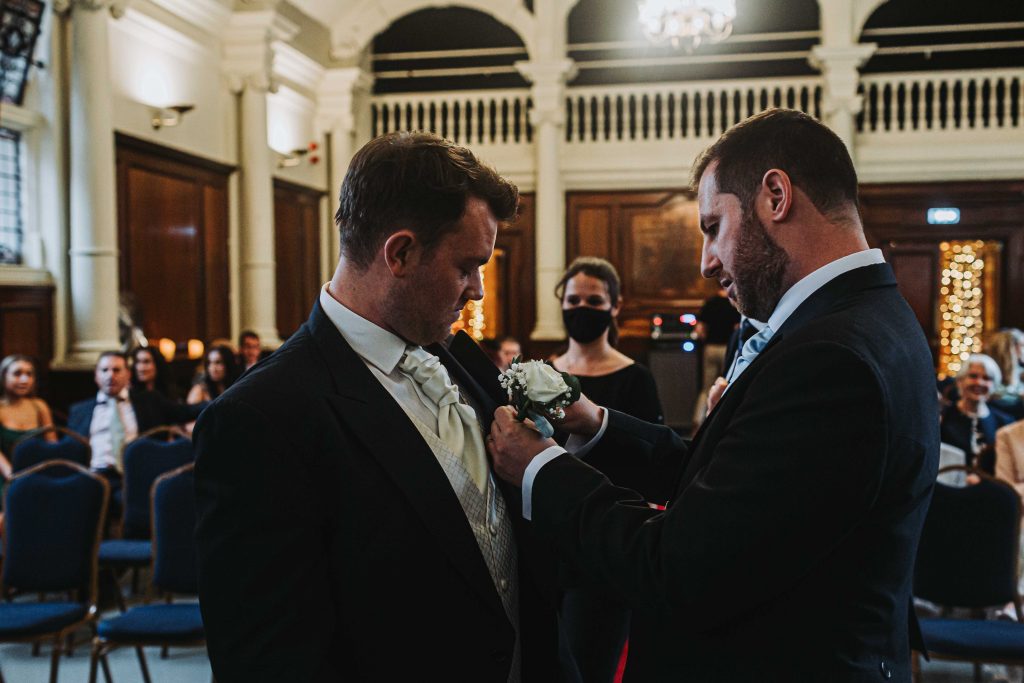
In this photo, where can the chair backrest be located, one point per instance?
(145, 459)
(53, 526)
(968, 555)
(33, 449)
(175, 560)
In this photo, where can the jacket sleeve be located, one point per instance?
(263, 564)
(800, 465)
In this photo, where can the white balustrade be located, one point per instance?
(942, 100)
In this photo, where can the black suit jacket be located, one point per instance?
(151, 410)
(331, 544)
(787, 549)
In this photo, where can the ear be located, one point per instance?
(616, 307)
(776, 196)
(400, 252)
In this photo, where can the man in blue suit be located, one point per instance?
(787, 548)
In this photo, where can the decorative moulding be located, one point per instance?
(209, 16)
(292, 65)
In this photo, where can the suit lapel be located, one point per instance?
(820, 302)
(367, 411)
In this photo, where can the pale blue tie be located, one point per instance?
(748, 353)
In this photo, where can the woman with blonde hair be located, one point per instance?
(20, 411)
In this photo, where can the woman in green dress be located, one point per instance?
(20, 410)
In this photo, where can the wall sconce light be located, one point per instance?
(295, 157)
(195, 349)
(292, 158)
(169, 117)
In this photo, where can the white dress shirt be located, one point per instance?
(103, 455)
(789, 302)
(381, 351)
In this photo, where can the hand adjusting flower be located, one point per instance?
(538, 391)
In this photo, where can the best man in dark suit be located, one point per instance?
(136, 412)
(342, 535)
(787, 548)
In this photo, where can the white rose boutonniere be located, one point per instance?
(538, 391)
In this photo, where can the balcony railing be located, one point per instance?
(679, 110)
(488, 117)
(936, 101)
(893, 104)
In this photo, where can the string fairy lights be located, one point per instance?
(960, 303)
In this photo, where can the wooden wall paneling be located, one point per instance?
(26, 321)
(215, 272)
(516, 244)
(895, 217)
(173, 231)
(297, 253)
(916, 267)
(653, 240)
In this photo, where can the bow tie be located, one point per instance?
(111, 399)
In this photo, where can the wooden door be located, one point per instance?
(296, 253)
(173, 239)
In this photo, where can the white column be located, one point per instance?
(343, 93)
(248, 64)
(94, 283)
(548, 119)
(258, 296)
(841, 103)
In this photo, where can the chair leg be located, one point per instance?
(94, 658)
(106, 668)
(977, 672)
(142, 664)
(164, 652)
(55, 657)
(35, 648)
(915, 667)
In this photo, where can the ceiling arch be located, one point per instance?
(355, 28)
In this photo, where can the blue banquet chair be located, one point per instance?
(31, 449)
(174, 573)
(968, 558)
(145, 458)
(54, 520)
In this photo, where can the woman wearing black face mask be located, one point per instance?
(595, 627)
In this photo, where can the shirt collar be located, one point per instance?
(803, 289)
(374, 344)
(103, 398)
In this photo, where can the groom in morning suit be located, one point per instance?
(787, 548)
(350, 528)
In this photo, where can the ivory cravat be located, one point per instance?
(748, 353)
(117, 431)
(457, 424)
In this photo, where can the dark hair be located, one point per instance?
(814, 157)
(112, 354)
(415, 181)
(603, 271)
(246, 334)
(231, 372)
(5, 367)
(163, 384)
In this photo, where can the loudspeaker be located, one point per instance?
(677, 376)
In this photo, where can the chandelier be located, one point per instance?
(687, 22)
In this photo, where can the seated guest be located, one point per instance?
(117, 414)
(508, 349)
(219, 373)
(20, 410)
(970, 423)
(1007, 349)
(150, 372)
(249, 349)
